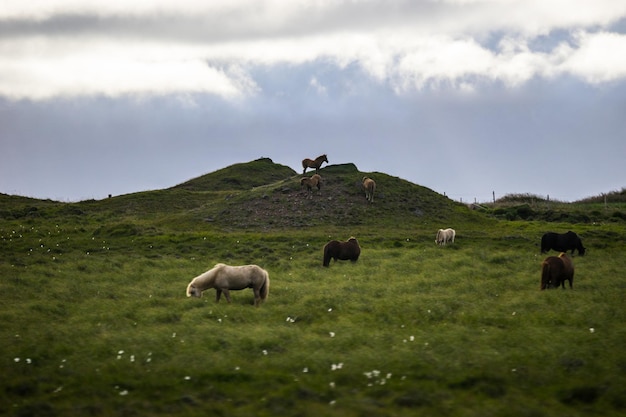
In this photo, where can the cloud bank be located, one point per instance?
(52, 49)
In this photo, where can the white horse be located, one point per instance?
(445, 236)
(224, 278)
(370, 187)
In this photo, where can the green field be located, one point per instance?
(95, 321)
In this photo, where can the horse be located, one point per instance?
(224, 278)
(369, 185)
(555, 270)
(314, 181)
(445, 236)
(349, 250)
(562, 242)
(317, 163)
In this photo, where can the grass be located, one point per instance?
(94, 320)
(102, 326)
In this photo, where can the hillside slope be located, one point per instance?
(242, 176)
(262, 195)
(340, 202)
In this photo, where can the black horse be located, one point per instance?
(344, 251)
(562, 242)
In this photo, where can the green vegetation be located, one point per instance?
(94, 320)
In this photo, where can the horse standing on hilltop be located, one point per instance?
(314, 181)
(555, 270)
(369, 185)
(344, 251)
(444, 236)
(224, 278)
(317, 163)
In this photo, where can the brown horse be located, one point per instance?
(344, 251)
(314, 181)
(309, 163)
(555, 270)
(369, 185)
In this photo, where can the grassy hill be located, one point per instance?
(94, 318)
(262, 195)
(243, 176)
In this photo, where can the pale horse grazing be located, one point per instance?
(224, 278)
(369, 185)
(445, 236)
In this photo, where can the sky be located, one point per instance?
(469, 98)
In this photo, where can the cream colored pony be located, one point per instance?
(224, 278)
(314, 181)
(445, 236)
(369, 185)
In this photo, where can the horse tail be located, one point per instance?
(326, 256)
(265, 288)
(545, 274)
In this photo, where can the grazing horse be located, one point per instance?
(344, 251)
(369, 185)
(309, 163)
(555, 270)
(562, 242)
(225, 278)
(445, 236)
(314, 181)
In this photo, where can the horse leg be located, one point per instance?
(226, 294)
(218, 294)
(257, 296)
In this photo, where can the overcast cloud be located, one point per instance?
(462, 96)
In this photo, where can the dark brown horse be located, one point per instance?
(555, 270)
(309, 163)
(344, 251)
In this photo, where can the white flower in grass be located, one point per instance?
(124, 392)
(331, 334)
(305, 370)
(592, 330)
